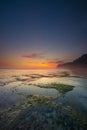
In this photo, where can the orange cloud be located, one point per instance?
(37, 63)
(29, 65)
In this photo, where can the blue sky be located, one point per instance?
(56, 28)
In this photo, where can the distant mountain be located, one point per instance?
(79, 62)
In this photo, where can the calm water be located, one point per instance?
(16, 84)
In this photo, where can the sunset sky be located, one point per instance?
(41, 33)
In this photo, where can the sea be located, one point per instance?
(16, 84)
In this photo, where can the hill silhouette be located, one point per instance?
(79, 62)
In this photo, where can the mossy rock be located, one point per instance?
(62, 88)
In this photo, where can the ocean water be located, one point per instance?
(16, 84)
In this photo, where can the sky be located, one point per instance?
(42, 33)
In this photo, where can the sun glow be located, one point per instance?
(23, 64)
(41, 65)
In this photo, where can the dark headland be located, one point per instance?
(79, 62)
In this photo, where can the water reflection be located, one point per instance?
(16, 84)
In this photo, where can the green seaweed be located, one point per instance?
(64, 74)
(42, 109)
(62, 88)
(38, 100)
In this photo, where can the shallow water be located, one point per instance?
(16, 84)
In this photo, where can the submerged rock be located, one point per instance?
(47, 117)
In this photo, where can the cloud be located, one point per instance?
(33, 56)
(55, 61)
